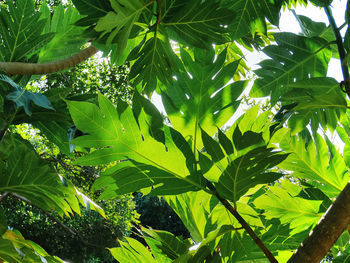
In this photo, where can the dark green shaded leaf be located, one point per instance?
(155, 61)
(21, 31)
(129, 176)
(294, 58)
(197, 23)
(212, 147)
(247, 171)
(201, 95)
(251, 14)
(319, 101)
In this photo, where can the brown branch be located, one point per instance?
(341, 49)
(22, 68)
(243, 223)
(249, 230)
(321, 239)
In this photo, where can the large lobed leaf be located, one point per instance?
(243, 164)
(154, 61)
(202, 95)
(251, 167)
(282, 202)
(117, 136)
(317, 101)
(24, 173)
(251, 15)
(317, 161)
(21, 31)
(294, 58)
(119, 23)
(68, 38)
(198, 23)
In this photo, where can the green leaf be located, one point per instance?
(14, 248)
(120, 21)
(250, 15)
(212, 147)
(238, 246)
(280, 238)
(24, 98)
(66, 35)
(318, 162)
(311, 28)
(280, 202)
(294, 58)
(203, 99)
(154, 61)
(21, 31)
(93, 8)
(132, 251)
(225, 142)
(197, 23)
(117, 136)
(193, 209)
(247, 171)
(163, 242)
(319, 100)
(26, 174)
(130, 176)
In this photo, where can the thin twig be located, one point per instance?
(341, 49)
(244, 225)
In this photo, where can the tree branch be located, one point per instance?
(244, 225)
(341, 49)
(22, 68)
(327, 231)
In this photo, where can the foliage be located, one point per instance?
(156, 213)
(250, 192)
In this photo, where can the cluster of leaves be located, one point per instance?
(251, 194)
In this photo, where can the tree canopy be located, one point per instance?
(269, 186)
